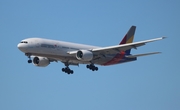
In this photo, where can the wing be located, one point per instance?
(117, 48)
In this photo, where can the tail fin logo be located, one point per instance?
(129, 37)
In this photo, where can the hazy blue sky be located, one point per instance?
(150, 83)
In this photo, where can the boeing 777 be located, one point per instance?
(44, 51)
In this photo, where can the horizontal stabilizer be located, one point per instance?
(139, 55)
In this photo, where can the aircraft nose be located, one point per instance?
(21, 47)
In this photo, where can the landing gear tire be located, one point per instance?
(96, 68)
(71, 71)
(87, 66)
(29, 61)
(63, 70)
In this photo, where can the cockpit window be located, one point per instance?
(24, 42)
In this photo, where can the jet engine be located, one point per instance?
(40, 61)
(84, 55)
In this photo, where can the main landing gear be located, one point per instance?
(29, 56)
(67, 69)
(92, 67)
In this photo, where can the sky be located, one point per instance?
(150, 83)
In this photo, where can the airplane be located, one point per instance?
(44, 51)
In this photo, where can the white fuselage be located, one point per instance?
(56, 49)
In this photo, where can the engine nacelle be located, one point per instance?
(40, 61)
(84, 55)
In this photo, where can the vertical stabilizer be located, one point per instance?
(128, 38)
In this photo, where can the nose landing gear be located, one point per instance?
(29, 56)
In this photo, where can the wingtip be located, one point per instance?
(157, 52)
(164, 37)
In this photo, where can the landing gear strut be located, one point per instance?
(92, 67)
(29, 56)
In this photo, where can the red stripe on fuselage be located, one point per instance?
(115, 59)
